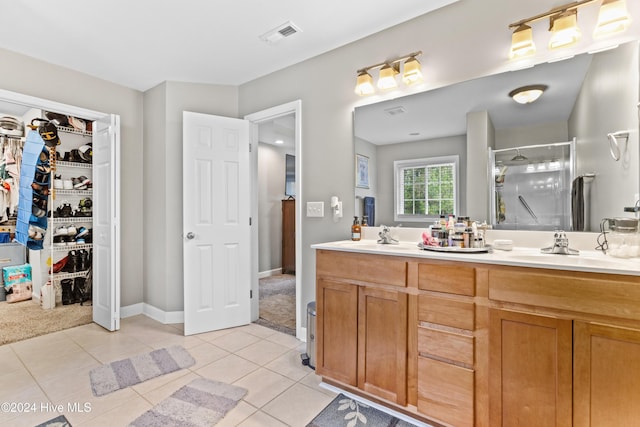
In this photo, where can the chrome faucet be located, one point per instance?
(560, 245)
(385, 236)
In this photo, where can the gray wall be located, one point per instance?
(32, 77)
(531, 135)
(608, 103)
(164, 105)
(480, 137)
(387, 154)
(271, 175)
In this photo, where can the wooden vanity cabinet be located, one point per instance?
(531, 370)
(361, 323)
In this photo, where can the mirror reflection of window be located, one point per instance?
(426, 188)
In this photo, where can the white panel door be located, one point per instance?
(106, 222)
(216, 215)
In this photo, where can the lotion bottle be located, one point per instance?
(355, 229)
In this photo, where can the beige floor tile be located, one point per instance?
(26, 402)
(297, 406)
(228, 369)
(118, 350)
(28, 419)
(234, 341)
(206, 353)
(71, 364)
(262, 352)
(15, 384)
(286, 340)
(260, 419)
(210, 336)
(59, 387)
(237, 415)
(257, 330)
(263, 386)
(53, 345)
(96, 405)
(10, 361)
(290, 365)
(121, 415)
(313, 381)
(160, 393)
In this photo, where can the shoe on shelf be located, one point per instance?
(65, 211)
(82, 231)
(60, 231)
(58, 266)
(57, 182)
(35, 232)
(81, 182)
(67, 291)
(59, 240)
(71, 230)
(67, 184)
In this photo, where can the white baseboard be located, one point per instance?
(268, 273)
(302, 334)
(165, 317)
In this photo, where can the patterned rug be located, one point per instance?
(127, 372)
(346, 412)
(278, 303)
(59, 421)
(202, 402)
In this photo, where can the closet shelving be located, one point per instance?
(60, 196)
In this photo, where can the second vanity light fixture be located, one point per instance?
(411, 73)
(563, 24)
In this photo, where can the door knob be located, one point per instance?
(190, 235)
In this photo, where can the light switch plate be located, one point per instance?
(315, 209)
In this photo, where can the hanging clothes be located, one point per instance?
(577, 204)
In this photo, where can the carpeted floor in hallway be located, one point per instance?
(278, 303)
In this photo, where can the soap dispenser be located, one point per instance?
(355, 229)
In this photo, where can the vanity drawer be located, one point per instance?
(452, 279)
(385, 270)
(445, 392)
(446, 311)
(609, 295)
(446, 345)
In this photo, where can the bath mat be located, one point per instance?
(346, 412)
(202, 402)
(127, 372)
(59, 421)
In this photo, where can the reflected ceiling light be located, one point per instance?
(387, 77)
(522, 42)
(411, 73)
(564, 27)
(563, 24)
(364, 84)
(612, 18)
(527, 94)
(278, 141)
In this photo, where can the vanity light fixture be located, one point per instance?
(527, 94)
(411, 73)
(563, 24)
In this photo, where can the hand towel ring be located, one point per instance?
(614, 147)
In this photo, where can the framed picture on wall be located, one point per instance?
(362, 171)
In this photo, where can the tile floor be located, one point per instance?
(52, 370)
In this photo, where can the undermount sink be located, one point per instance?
(593, 260)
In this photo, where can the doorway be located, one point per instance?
(105, 307)
(271, 192)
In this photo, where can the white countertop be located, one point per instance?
(588, 260)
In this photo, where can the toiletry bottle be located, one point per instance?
(365, 221)
(355, 229)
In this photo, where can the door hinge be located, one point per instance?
(250, 147)
(250, 293)
(249, 221)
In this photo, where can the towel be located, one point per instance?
(577, 204)
(370, 210)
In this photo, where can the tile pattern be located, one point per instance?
(49, 375)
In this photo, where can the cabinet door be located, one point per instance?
(382, 344)
(607, 375)
(336, 330)
(530, 370)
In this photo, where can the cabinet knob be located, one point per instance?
(190, 236)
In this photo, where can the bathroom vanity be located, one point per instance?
(488, 339)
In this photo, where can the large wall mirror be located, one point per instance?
(587, 97)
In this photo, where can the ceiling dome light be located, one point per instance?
(412, 71)
(387, 77)
(612, 18)
(364, 84)
(527, 94)
(522, 42)
(564, 27)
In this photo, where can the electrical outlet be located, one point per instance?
(315, 209)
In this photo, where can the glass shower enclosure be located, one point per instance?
(530, 186)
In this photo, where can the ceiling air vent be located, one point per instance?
(275, 35)
(395, 110)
